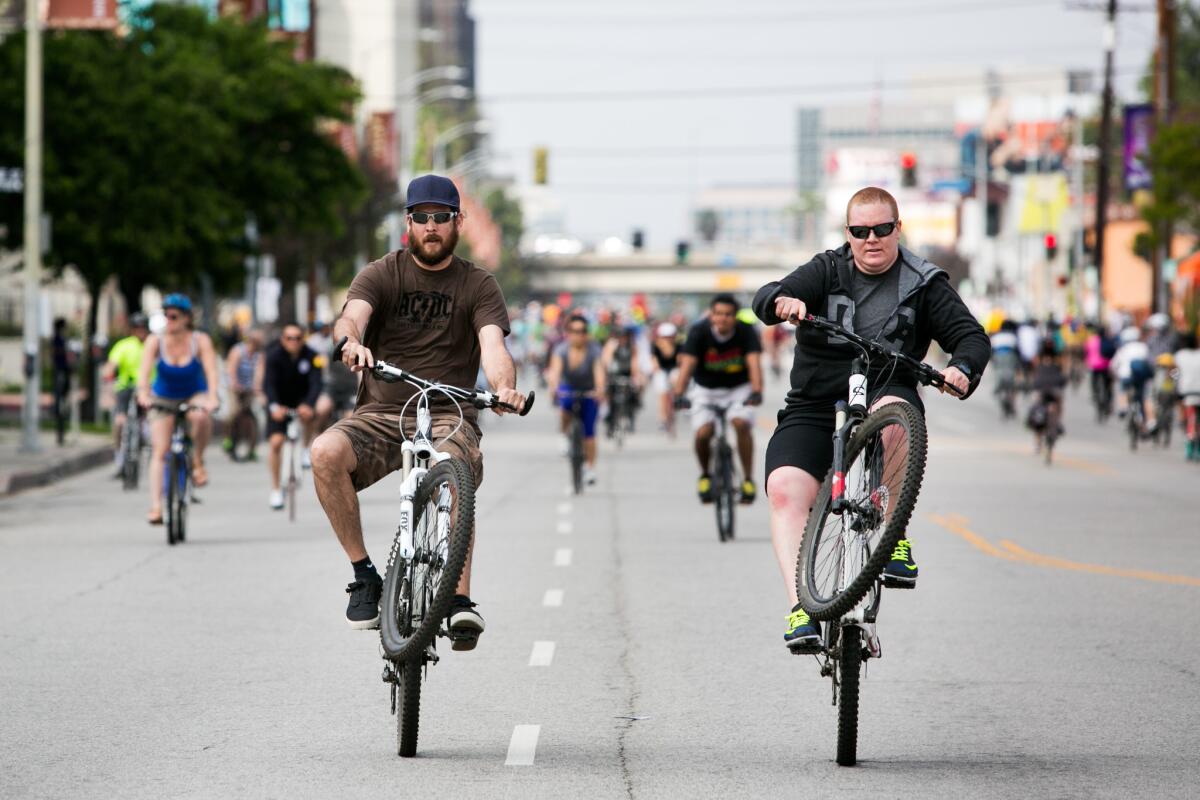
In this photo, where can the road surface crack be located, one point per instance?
(116, 576)
(632, 693)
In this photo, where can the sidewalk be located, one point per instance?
(19, 471)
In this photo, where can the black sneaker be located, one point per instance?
(803, 635)
(363, 611)
(901, 571)
(464, 623)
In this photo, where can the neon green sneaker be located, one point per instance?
(901, 571)
(749, 491)
(704, 489)
(802, 634)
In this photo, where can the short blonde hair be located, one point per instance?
(869, 196)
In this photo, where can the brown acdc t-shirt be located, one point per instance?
(426, 322)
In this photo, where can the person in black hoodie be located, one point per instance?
(883, 292)
(292, 381)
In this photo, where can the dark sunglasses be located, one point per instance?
(576, 330)
(291, 338)
(174, 315)
(440, 217)
(863, 231)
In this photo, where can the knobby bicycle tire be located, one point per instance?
(408, 715)
(829, 608)
(400, 638)
(724, 493)
(849, 664)
(131, 453)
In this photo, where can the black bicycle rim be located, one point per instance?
(407, 628)
(888, 500)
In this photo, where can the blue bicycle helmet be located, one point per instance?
(178, 301)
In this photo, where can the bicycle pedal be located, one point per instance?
(895, 583)
(815, 649)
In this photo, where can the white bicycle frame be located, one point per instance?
(418, 454)
(290, 448)
(854, 550)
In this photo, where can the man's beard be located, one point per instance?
(434, 252)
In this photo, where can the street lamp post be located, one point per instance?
(445, 137)
(33, 223)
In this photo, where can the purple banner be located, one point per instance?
(1139, 132)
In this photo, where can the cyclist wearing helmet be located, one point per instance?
(620, 359)
(1133, 370)
(665, 351)
(124, 360)
(185, 368)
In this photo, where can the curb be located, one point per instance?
(20, 480)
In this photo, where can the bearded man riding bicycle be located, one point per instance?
(429, 312)
(883, 292)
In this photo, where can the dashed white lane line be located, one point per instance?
(565, 526)
(562, 557)
(542, 655)
(564, 508)
(523, 746)
(553, 598)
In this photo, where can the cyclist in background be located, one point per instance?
(245, 368)
(1187, 384)
(292, 382)
(1132, 369)
(620, 358)
(577, 368)
(1047, 383)
(184, 365)
(124, 361)
(1098, 352)
(665, 352)
(724, 356)
(1005, 360)
(1029, 343)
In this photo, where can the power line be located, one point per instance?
(740, 92)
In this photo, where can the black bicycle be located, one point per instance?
(575, 448)
(623, 409)
(860, 513)
(132, 444)
(178, 489)
(429, 549)
(722, 470)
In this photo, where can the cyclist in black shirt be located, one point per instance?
(292, 381)
(724, 356)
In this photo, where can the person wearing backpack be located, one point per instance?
(1098, 353)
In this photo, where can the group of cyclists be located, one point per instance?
(427, 310)
(1145, 371)
(179, 365)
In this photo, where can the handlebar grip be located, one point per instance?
(525, 409)
(337, 348)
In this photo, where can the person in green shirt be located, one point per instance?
(124, 360)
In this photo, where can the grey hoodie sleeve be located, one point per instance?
(806, 282)
(956, 330)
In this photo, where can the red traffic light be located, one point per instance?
(908, 160)
(1051, 241)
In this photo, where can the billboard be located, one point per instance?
(100, 14)
(1139, 132)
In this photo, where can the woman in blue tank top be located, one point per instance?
(184, 366)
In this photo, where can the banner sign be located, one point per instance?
(96, 14)
(381, 141)
(1139, 132)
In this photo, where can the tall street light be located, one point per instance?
(33, 224)
(450, 134)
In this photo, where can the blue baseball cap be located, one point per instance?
(431, 189)
(177, 301)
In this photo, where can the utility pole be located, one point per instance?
(33, 226)
(1106, 107)
(1164, 98)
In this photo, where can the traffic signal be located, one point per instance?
(681, 252)
(908, 170)
(540, 171)
(638, 240)
(1051, 246)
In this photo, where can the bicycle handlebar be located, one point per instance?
(925, 373)
(479, 398)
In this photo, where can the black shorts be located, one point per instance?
(804, 436)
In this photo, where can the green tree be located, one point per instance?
(506, 212)
(159, 145)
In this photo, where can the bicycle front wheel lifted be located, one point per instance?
(884, 462)
(417, 592)
(408, 713)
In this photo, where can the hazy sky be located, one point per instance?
(642, 104)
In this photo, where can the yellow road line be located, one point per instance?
(957, 524)
(1098, 569)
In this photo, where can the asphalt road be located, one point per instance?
(1050, 651)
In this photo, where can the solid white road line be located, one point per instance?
(523, 746)
(565, 526)
(542, 655)
(562, 557)
(553, 598)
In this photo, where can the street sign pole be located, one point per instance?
(33, 225)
